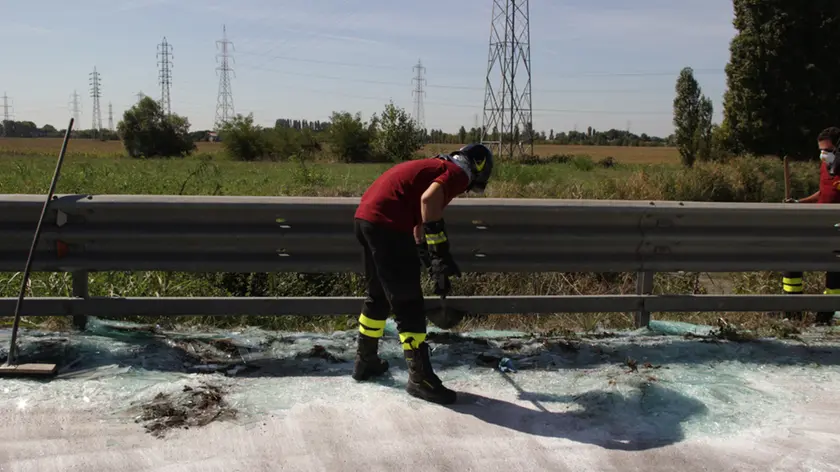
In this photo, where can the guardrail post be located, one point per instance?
(80, 290)
(644, 286)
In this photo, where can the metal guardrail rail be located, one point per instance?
(85, 233)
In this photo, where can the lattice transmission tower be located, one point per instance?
(164, 57)
(110, 116)
(507, 97)
(7, 115)
(75, 107)
(95, 93)
(224, 101)
(419, 94)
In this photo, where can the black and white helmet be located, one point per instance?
(477, 160)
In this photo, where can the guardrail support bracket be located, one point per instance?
(644, 286)
(80, 290)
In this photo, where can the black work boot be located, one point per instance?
(824, 318)
(422, 381)
(368, 364)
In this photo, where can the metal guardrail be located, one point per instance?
(84, 233)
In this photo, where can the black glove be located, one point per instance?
(423, 254)
(442, 265)
(438, 274)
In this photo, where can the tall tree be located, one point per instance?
(782, 75)
(704, 128)
(687, 116)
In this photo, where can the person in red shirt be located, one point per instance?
(399, 223)
(829, 192)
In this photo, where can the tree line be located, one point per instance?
(781, 90)
(591, 137)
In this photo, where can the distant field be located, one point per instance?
(623, 154)
(77, 147)
(93, 148)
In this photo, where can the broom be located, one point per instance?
(11, 367)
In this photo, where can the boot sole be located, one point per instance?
(432, 397)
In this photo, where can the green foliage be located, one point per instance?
(146, 131)
(704, 129)
(245, 141)
(723, 146)
(692, 117)
(782, 75)
(397, 135)
(350, 137)
(307, 143)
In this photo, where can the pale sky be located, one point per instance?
(601, 63)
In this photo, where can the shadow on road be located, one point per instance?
(650, 420)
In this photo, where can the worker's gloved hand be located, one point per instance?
(423, 254)
(791, 200)
(438, 243)
(442, 265)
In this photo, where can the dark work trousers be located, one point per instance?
(392, 278)
(793, 285)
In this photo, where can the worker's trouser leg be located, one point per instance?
(832, 287)
(792, 284)
(392, 256)
(392, 274)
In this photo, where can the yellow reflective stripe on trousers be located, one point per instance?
(411, 340)
(438, 238)
(792, 285)
(832, 291)
(371, 327)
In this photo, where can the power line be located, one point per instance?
(95, 94)
(440, 86)
(319, 61)
(419, 94)
(706, 70)
(165, 75)
(507, 105)
(224, 101)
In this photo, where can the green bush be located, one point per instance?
(350, 138)
(245, 141)
(397, 135)
(146, 131)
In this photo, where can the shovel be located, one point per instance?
(445, 317)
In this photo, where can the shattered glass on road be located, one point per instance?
(652, 386)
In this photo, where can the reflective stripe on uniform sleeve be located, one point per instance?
(438, 238)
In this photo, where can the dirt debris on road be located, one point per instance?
(192, 407)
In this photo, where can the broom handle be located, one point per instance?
(23, 283)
